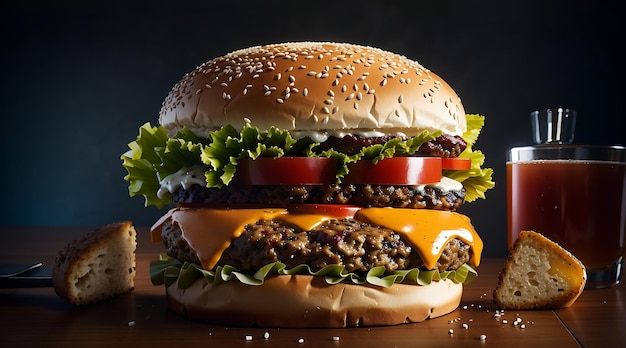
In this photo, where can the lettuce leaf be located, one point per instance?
(476, 180)
(141, 163)
(167, 270)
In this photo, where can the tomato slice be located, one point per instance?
(286, 171)
(321, 171)
(334, 210)
(456, 163)
(395, 171)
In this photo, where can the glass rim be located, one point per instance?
(607, 153)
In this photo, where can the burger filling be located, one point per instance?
(417, 197)
(442, 146)
(356, 245)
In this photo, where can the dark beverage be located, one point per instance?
(580, 204)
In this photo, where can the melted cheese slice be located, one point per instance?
(210, 231)
(427, 230)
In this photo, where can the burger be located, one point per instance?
(311, 184)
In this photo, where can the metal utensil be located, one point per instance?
(25, 275)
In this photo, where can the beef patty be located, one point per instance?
(356, 245)
(415, 197)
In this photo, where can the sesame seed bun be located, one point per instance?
(314, 86)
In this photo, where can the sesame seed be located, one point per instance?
(325, 110)
(268, 93)
(335, 109)
(450, 332)
(131, 323)
(383, 82)
(248, 337)
(465, 326)
(326, 119)
(483, 337)
(400, 99)
(247, 120)
(305, 92)
(331, 93)
(301, 340)
(311, 73)
(356, 105)
(328, 102)
(292, 78)
(245, 91)
(359, 96)
(266, 335)
(371, 91)
(280, 100)
(335, 338)
(278, 76)
(350, 96)
(344, 88)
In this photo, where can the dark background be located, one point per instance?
(78, 81)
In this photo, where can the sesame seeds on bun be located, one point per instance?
(314, 86)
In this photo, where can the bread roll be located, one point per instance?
(539, 274)
(303, 301)
(98, 266)
(309, 86)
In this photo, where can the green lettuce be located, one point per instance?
(153, 156)
(167, 270)
(476, 180)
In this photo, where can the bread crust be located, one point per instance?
(302, 301)
(314, 86)
(78, 275)
(552, 278)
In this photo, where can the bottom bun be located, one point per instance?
(302, 301)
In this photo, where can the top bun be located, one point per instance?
(314, 86)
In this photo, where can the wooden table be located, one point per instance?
(37, 317)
